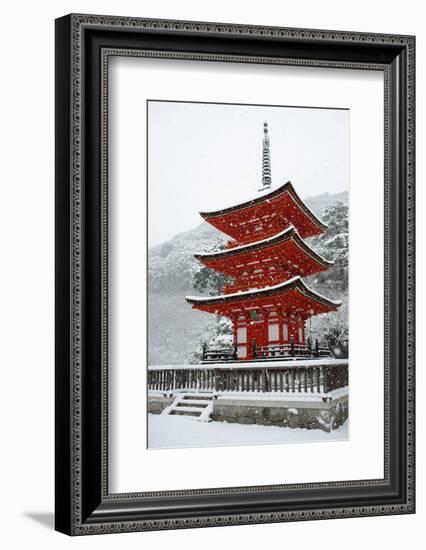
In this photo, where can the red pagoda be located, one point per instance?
(266, 257)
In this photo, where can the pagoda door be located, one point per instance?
(258, 333)
(241, 337)
(273, 329)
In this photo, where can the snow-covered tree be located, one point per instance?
(333, 245)
(224, 337)
(219, 333)
(332, 329)
(208, 280)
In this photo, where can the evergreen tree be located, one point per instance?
(220, 333)
(333, 245)
(332, 329)
(208, 280)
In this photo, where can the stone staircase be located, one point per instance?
(196, 404)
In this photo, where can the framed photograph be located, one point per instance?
(234, 274)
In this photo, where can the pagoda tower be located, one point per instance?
(266, 257)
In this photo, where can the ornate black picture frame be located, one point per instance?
(83, 45)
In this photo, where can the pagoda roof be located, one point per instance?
(226, 219)
(218, 260)
(295, 290)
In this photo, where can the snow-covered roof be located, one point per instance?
(289, 230)
(294, 282)
(248, 198)
(263, 243)
(266, 196)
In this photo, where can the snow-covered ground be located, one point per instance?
(171, 432)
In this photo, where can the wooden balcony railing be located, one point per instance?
(216, 354)
(291, 350)
(319, 379)
(271, 351)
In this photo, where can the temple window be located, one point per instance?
(273, 332)
(242, 335)
(285, 332)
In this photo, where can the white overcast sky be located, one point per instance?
(205, 156)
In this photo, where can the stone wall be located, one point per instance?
(157, 403)
(326, 416)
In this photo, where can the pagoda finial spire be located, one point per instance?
(266, 160)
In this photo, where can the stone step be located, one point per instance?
(187, 411)
(190, 408)
(193, 403)
(198, 396)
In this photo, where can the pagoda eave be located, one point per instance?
(291, 295)
(287, 244)
(284, 198)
